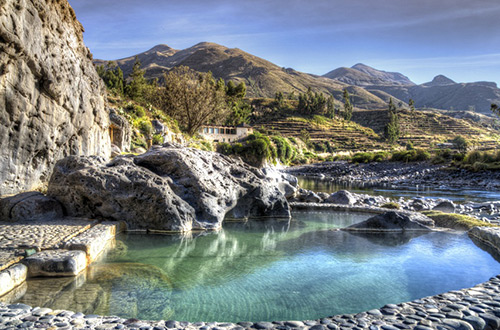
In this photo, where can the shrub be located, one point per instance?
(363, 157)
(224, 148)
(139, 111)
(414, 155)
(391, 205)
(145, 127)
(158, 139)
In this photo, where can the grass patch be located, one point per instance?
(455, 221)
(391, 205)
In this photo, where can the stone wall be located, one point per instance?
(52, 102)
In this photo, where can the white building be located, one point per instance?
(225, 133)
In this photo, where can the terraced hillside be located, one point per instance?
(427, 128)
(340, 135)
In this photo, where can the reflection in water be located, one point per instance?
(274, 270)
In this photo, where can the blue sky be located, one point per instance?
(419, 38)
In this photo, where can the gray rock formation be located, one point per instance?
(487, 235)
(120, 132)
(445, 206)
(168, 188)
(390, 222)
(12, 277)
(56, 263)
(52, 102)
(342, 197)
(29, 206)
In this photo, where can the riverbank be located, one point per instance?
(399, 174)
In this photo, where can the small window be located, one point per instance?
(233, 131)
(223, 140)
(228, 131)
(205, 130)
(216, 130)
(211, 130)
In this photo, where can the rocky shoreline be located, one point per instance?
(398, 174)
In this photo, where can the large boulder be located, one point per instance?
(342, 197)
(389, 222)
(31, 205)
(445, 206)
(168, 188)
(52, 102)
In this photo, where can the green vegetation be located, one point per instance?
(312, 103)
(257, 148)
(455, 221)
(481, 160)
(112, 76)
(347, 106)
(460, 143)
(392, 129)
(391, 205)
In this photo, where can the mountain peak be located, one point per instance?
(361, 66)
(380, 77)
(440, 80)
(160, 48)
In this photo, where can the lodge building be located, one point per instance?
(217, 133)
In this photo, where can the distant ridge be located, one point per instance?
(370, 88)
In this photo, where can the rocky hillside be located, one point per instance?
(440, 93)
(369, 87)
(52, 102)
(363, 75)
(263, 78)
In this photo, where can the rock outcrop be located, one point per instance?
(52, 102)
(390, 222)
(168, 188)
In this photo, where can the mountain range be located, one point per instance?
(370, 88)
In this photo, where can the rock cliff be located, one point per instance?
(52, 102)
(169, 188)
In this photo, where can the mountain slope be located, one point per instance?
(263, 78)
(440, 93)
(389, 77)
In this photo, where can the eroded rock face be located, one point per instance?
(52, 102)
(168, 188)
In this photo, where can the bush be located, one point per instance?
(415, 155)
(363, 157)
(158, 139)
(145, 127)
(139, 111)
(391, 205)
(225, 148)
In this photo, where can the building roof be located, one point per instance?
(244, 125)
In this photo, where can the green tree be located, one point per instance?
(312, 103)
(279, 99)
(347, 106)
(112, 76)
(330, 107)
(192, 98)
(392, 129)
(137, 83)
(240, 110)
(411, 103)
